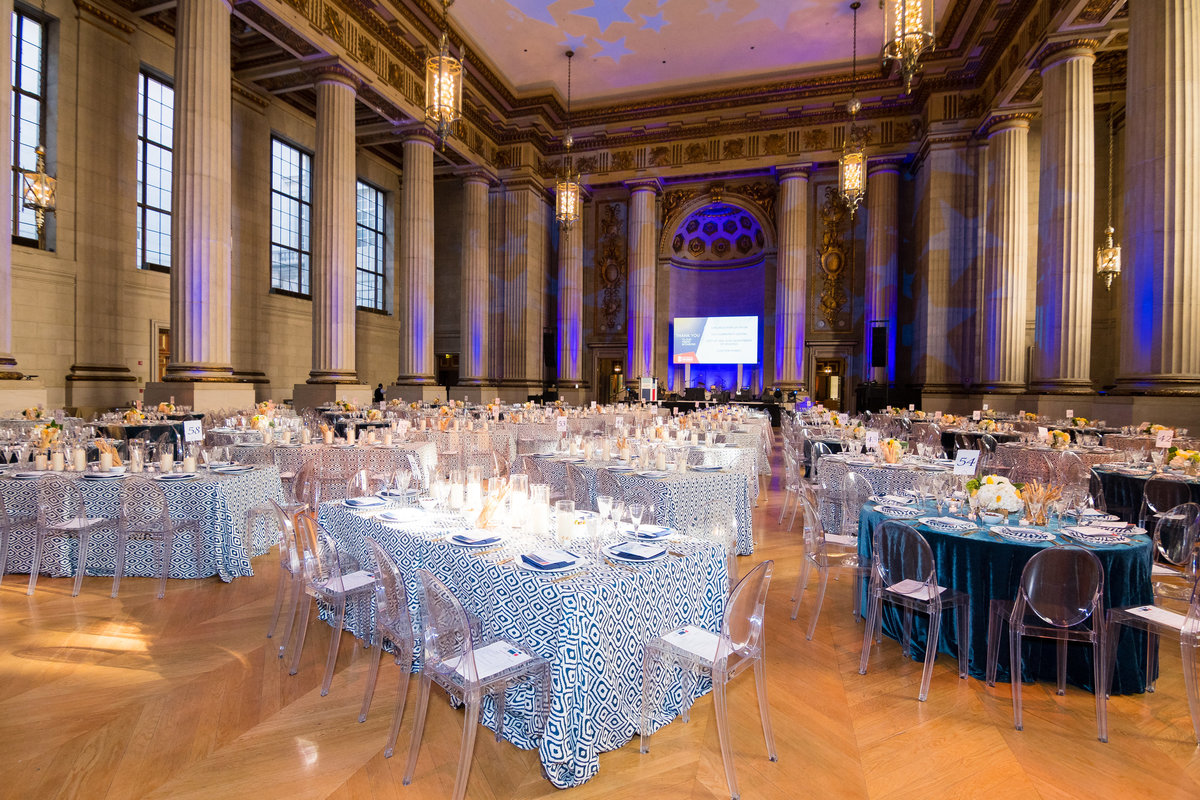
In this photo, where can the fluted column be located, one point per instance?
(642, 239)
(883, 264)
(473, 364)
(334, 231)
(570, 304)
(1006, 256)
(1161, 283)
(416, 262)
(1066, 208)
(791, 277)
(526, 213)
(201, 225)
(8, 364)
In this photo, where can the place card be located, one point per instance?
(1160, 615)
(493, 659)
(977, 415)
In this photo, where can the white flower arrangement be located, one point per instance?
(997, 493)
(34, 412)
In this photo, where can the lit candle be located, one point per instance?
(305, 436)
(166, 462)
(106, 462)
(80, 459)
(189, 463)
(56, 461)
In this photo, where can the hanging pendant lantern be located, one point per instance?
(567, 191)
(910, 24)
(1108, 255)
(852, 166)
(443, 86)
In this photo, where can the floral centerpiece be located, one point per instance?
(374, 415)
(858, 430)
(260, 422)
(988, 425)
(34, 412)
(266, 408)
(1179, 458)
(414, 406)
(949, 419)
(46, 435)
(1146, 429)
(892, 450)
(996, 493)
(166, 408)
(918, 414)
(1060, 440)
(345, 405)
(1031, 416)
(133, 416)
(1079, 422)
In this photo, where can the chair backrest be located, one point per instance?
(607, 484)
(306, 488)
(1069, 470)
(899, 554)
(577, 487)
(742, 627)
(1190, 632)
(363, 484)
(391, 598)
(447, 634)
(1175, 535)
(720, 521)
(500, 465)
(289, 552)
(1032, 466)
(642, 495)
(58, 500)
(815, 452)
(143, 504)
(420, 473)
(855, 491)
(987, 443)
(1163, 492)
(1096, 491)
(814, 534)
(322, 565)
(1061, 585)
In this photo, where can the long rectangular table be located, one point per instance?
(592, 628)
(219, 502)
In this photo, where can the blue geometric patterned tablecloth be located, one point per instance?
(592, 629)
(220, 502)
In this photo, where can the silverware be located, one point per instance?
(615, 565)
(571, 577)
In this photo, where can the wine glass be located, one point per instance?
(1156, 455)
(604, 505)
(636, 511)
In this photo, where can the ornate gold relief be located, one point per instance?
(612, 264)
(775, 144)
(832, 258)
(622, 160)
(586, 164)
(816, 139)
(761, 193)
(694, 152)
(673, 200)
(333, 24)
(733, 148)
(660, 157)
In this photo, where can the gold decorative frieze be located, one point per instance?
(612, 266)
(832, 259)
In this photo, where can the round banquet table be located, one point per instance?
(1124, 487)
(988, 567)
(884, 479)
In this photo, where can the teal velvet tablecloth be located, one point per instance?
(987, 567)
(1124, 487)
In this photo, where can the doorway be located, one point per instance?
(610, 380)
(830, 383)
(162, 351)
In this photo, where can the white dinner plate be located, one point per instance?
(646, 531)
(1022, 534)
(575, 564)
(364, 502)
(402, 515)
(707, 468)
(658, 553)
(947, 524)
(898, 512)
(475, 539)
(27, 476)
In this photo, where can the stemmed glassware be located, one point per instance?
(636, 511)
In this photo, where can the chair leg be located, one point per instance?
(783, 509)
(301, 630)
(401, 696)
(995, 621)
(963, 616)
(168, 547)
(39, 544)
(295, 592)
(414, 749)
(764, 711)
(1062, 667)
(873, 603)
(1098, 673)
(119, 566)
(466, 754)
(280, 590)
(721, 704)
(372, 675)
(81, 559)
(816, 612)
(801, 585)
(1191, 682)
(1014, 650)
(3, 552)
(647, 690)
(499, 700)
(1151, 660)
(334, 642)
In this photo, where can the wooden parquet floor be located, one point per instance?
(185, 698)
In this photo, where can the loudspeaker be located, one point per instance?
(879, 347)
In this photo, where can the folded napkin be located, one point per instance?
(648, 531)
(1092, 530)
(949, 522)
(637, 551)
(363, 502)
(475, 538)
(893, 500)
(548, 559)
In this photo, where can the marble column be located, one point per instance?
(1066, 212)
(334, 234)
(883, 266)
(107, 108)
(201, 224)
(1006, 255)
(944, 289)
(643, 236)
(1160, 285)
(474, 367)
(791, 272)
(415, 270)
(570, 305)
(526, 214)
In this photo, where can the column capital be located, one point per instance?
(1053, 53)
(644, 185)
(995, 123)
(884, 164)
(477, 174)
(792, 171)
(416, 132)
(335, 72)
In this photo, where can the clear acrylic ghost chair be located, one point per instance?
(306, 487)
(856, 489)
(450, 660)
(61, 514)
(1068, 469)
(9, 524)
(791, 486)
(1059, 598)
(1175, 551)
(722, 657)
(1161, 493)
(297, 486)
(392, 622)
(364, 484)
(1096, 492)
(823, 555)
(330, 576)
(1157, 621)
(577, 488)
(145, 515)
(903, 572)
(816, 451)
(714, 522)
(291, 575)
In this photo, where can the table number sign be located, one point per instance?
(976, 415)
(985, 406)
(193, 431)
(912, 407)
(872, 440)
(965, 462)
(1164, 438)
(1043, 434)
(563, 425)
(1070, 413)
(937, 415)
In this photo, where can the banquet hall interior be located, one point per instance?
(493, 246)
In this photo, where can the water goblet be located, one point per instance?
(1157, 456)
(636, 510)
(604, 505)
